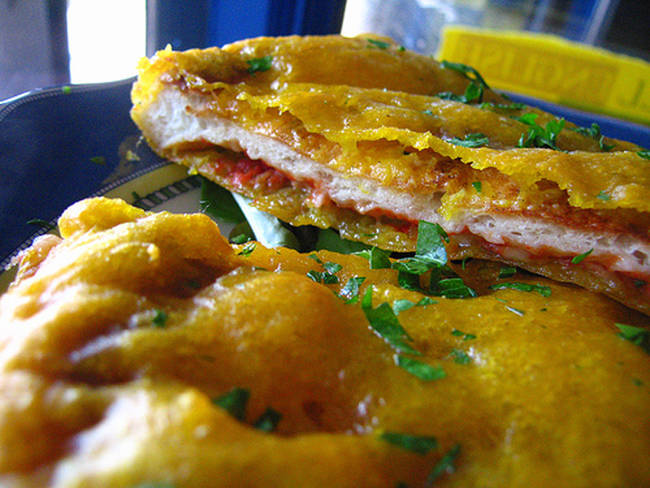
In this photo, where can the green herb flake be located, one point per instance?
(603, 146)
(444, 466)
(470, 140)
(350, 292)
(159, 318)
(386, 325)
(643, 154)
(460, 356)
(259, 64)
(315, 258)
(247, 249)
(603, 196)
(467, 71)
(545, 291)
(413, 443)
(268, 421)
(507, 272)
(636, 335)
(332, 268)
(402, 305)
(66, 89)
(47, 226)
(421, 370)
(538, 136)
(377, 258)
(580, 257)
(464, 335)
(240, 239)
(478, 186)
(637, 381)
(454, 288)
(379, 44)
(473, 93)
(234, 402)
(425, 301)
(502, 106)
(323, 277)
(101, 160)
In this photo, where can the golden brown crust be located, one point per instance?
(97, 393)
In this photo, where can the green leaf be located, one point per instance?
(603, 146)
(217, 202)
(539, 136)
(414, 443)
(503, 106)
(470, 140)
(259, 64)
(473, 92)
(379, 44)
(234, 402)
(384, 322)
(464, 335)
(47, 226)
(424, 371)
(603, 196)
(268, 421)
(477, 186)
(545, 291)
(247, 249)
(636, 335)
(430, 246)
(101, 160)
(402, 305)
(507, 272)
(323, 277)
(377, 258)
(460, 356)
(643, 154)
(467, 71)
(350, 292)
(454, 288)
(445, 465)
(159, 319)
(408, 281)
(332, 268)
(580, 257)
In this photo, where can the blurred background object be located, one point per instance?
(53, 42)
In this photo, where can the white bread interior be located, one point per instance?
(172, 119)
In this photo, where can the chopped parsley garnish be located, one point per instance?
(350, 292)
(414, 443)
(430, 243)
(247, 249)
(377, 258)
(332, 268)
(240, 239)
(503, 106)
(234, 402)
(603, 196)
(384, 322)
(580, 257)
(424, 371)
(594, 132)
(478, 186)
(268, 421)
(454, 288)
(159, 318)
(464, 335)
(470, 140)
(467, 71)
(473, 93)
(101, 160)
(66, 90)
(445, 465)
(403, 304)
(636, 335)
(379, 44)
(324, 277)
(315, 258)
(507, 272)
(545, 291)
(643, 154)
(259, 64)
(538, 136)
(460, 356)
(47, 226)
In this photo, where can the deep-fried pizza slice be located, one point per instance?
(141, 350)
(366, 137)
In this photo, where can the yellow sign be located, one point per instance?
(554, 69)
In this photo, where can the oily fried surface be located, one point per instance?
(98, 390)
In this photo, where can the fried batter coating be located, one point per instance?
(116, 341)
